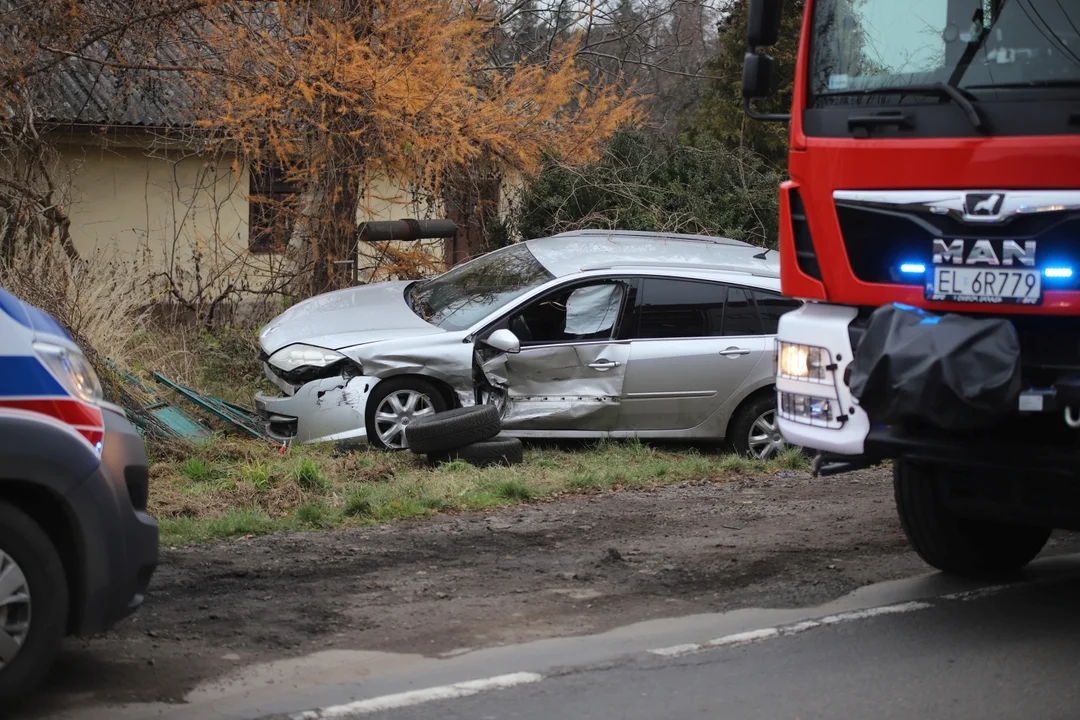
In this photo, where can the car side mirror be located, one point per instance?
(504, 340)
(763, 25)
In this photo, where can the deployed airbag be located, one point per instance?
(949, 371)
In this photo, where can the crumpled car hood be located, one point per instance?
(343, 318)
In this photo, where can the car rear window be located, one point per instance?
(772, 306)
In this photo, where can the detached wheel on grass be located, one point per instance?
(956, 544)
(33, 604)
(397, 403)
(754, 430)
(498, 450)
(453, 429)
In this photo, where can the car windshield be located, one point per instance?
(974, 45)
(465, 295)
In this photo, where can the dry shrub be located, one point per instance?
(169, 501)
(100, 300)
(282, 500)
(382, 472)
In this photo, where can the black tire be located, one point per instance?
(955, 544)
(23, 541)
(499, 450)
(453, 429)
(745, 417)
(396, 385)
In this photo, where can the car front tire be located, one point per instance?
(394, 404)
(33, 604)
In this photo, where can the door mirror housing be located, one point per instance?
(504, 340)
(757, 83)
(757, 75)
(763, 26)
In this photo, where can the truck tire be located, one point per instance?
(499, 450)
(32, 575)
(453, 429)
(956, 544)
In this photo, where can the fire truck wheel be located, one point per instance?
(957, 544)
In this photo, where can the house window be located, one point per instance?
(271, 209)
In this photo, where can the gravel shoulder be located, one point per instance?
(564, 567)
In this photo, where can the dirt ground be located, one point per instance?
(572, 566)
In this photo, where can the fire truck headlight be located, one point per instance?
(803, 362)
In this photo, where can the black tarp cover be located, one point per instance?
(949, 371)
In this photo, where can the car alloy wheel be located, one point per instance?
(764, 439)
(396, 411)
(14, 609)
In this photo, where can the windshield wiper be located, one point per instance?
(973, 47)
(940, 89)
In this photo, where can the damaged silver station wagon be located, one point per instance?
(583, 335)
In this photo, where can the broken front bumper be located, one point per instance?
(328, 410)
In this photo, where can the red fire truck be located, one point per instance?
(932, 225)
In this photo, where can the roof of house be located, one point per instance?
(92, 89)
(82, 92)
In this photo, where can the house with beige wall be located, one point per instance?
(140, 184)
(137, 195)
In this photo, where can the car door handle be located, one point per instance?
(604, 364)
(734, 352)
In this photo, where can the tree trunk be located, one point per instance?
(472, 202)
(333, 236)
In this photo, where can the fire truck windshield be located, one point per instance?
(975, 45)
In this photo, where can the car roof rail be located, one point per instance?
(645, 234)
(736, 269)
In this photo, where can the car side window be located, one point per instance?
(772, 306)
(585, 312)
(681, 309)
(740, 315)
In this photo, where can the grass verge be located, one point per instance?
(230, 488)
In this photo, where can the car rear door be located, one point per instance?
(693, 345)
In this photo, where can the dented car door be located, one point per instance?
(568, 372)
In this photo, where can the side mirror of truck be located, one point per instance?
(757, 83)
(757, 75)
(763, 27)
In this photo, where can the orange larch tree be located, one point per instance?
(337, 93)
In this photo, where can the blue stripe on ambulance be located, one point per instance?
(25, 376)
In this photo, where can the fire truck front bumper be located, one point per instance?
(815, 406)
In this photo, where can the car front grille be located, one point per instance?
(878, 240)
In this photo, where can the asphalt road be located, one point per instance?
(924, 646)
(1010, 652)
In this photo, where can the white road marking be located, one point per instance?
(753, 636)
(418, 697)
(500, 682)
(676, 650)
(743, 637)
(976, 594)
(874, 612)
